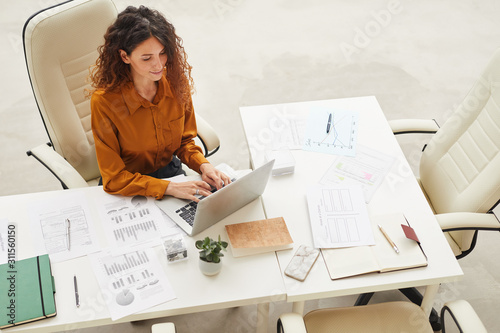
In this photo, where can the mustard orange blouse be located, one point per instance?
(134, 137)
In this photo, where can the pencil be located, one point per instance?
(389, 239)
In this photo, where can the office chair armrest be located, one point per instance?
(163, 328)
(467, 221)
(464, 317)
(207, 136)
(67, 175)
(291, 323)
(403, 126)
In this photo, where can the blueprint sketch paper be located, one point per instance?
(338, 216)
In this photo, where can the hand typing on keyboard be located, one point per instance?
(188, 190)
(214, 177)
(213, 189)
(194, 190)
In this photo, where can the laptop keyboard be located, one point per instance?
(187, 212)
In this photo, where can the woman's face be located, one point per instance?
(146, 61)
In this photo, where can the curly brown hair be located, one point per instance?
(132, 27)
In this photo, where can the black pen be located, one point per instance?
(329, 124)
(77, 297)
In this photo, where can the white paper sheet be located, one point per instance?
(50, 229)
(331, 131)
(367, 168)
(289, 129)
(131, 221)
(338, 216)
(132, 281)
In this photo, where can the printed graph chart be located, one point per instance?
(125, 262)
(131, 224)
(332, 132)
(135, 232)
(128, 274)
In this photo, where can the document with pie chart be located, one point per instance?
(131, 281)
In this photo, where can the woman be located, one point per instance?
(142, 113)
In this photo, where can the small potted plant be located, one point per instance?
(210, 254)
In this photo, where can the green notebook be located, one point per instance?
(26, 291)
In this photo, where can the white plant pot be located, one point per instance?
(210, 268)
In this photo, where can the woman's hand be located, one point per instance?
(188, 190)
(213, 176)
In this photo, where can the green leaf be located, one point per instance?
(211, 249)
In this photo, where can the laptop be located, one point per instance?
(219, 204)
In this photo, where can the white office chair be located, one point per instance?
(390, 317)
(60, 44)
(459, 167)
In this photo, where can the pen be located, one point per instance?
(77, 297)
(67, 234)
(389, 239)
(329, 123)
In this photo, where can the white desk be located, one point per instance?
(285, 196)
(241, 281)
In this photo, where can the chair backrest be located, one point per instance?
(459, 169)
(60, 45)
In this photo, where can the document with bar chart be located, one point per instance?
(131, 281)
(130, 221)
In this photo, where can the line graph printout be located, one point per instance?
(331, 131)
(338, 216)
(368, 168)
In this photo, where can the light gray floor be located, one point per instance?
(419, 58)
